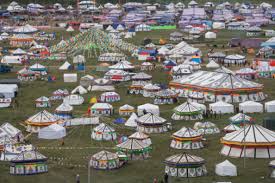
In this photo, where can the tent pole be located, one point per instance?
(89, 176)
(244, 141)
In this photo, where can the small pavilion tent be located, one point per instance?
(79, 59)
(42, 102)
(19, 52)
(187, 111)
(166, 96)
(65, 66)
(105, 160)
(40, 120)
(270, 106)
(28, 163)
(104, 132)
(131, 122)
(232, 59)
(59, 94)
(206, 128)
(231, 128)
(73, 100)
(53, 131)
(64, 111)
(151, 123)
(79, 90)
(148, 108)
(109, 97)
(135, 149)
(185, 165)
(26, 74)
(26, 29)
(142, 137)
(240, 119)
(251, 141)
(150, 90)
(221, 107)
(212, 65)
(126, 110)
(186, 138)
(104, 109)
(210, 35)
(226, 168)
(117, 75)
(251, 107)
(196, 97)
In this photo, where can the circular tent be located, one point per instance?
(135, 149)
(105, 160)
(166, 96)
(219, 85)
(187, 111)
(196, 97)
(142, 137)
(185, 165)
(40, 120)
(126, 110)
(150, 90)
(234, 59)
(206, 128)
(252, 141)
(151, 123)
(240, 119)
(64, 111)
(186, 138)
(226, 168)
(53, 131)
(231, 128)
(217, 57)
(103, 132)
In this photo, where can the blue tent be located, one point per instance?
(119, 121)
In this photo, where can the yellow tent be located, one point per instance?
(93, 100)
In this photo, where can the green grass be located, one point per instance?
(63, 171)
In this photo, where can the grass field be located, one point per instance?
(72, 158)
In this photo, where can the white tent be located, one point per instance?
(53, 131)
(218, 25)
(251, 107)
(11, 60)
(79, 59)
(73, 100)
(226, 168)
(212, 65)
(8, 90)
(210, 35)
(65, 66)
(79, 90)
(154, 109)
(221, 107)
(270, 106)
(131, 122)
(70, 77)
(69, 29)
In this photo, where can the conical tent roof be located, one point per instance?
(187, 108)
(206, 127)
(139, 136)
(126, 107)
(212, 64)
(42, 99)
(150, 119)
(141, 76)
(249, 135)
(184, 160)
(240, 117)
(64, 107)
(231, 127)
(133, 144)
(29, 156)
(104, 156)
(131, 122)
(186, 133)
(103, 128)
(42, 117)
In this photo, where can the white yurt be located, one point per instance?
(240, 118)
(53, 131)
(104, 132)
(105, 160)
(126, 110)
(251, 107)
(142, 137)
(131, 122)
(151, 123)
(109, 97)
(79, 59)
(212, 65)
(150, 90)
(79, 90)
(196, 97)
(210, 35)
(251, 141)
(270, 106)
(73, 100)
(221, 107)
(70, 77)
(64, 111)
(104, 109)
(206, 128)
(226, 168)
(148, 108)
(186, 138)
(188, 111)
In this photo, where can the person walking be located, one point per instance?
(77, 178)
(166, 178)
